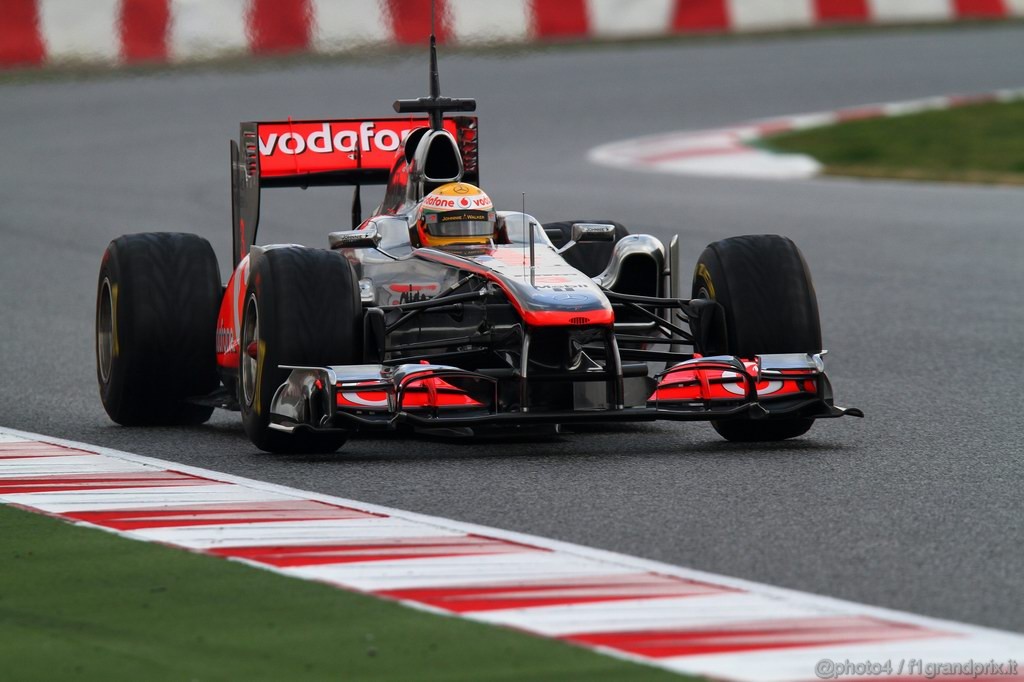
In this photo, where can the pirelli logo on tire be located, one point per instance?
(704, 276)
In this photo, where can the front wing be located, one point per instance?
(382, 397)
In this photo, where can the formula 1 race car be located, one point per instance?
(440, 314)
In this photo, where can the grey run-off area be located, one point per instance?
(921, 287)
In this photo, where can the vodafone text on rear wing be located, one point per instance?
(323, 153)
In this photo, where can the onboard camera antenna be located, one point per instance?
(529, 228)
(434, 105)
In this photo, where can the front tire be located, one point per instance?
(156, 315)
(302, 307)
(764, 286)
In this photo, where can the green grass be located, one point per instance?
(81, 604)
(979, 143)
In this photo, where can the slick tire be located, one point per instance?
(764, 286)
(156, 316)
(301, 307)
(590, 258)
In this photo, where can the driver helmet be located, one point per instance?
(456, 213)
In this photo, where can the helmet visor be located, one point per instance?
(460, 224)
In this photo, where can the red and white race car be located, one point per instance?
(527, 324)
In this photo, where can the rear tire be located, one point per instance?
(590, 258)
(301, 307)
(764, 286)
(156, 316)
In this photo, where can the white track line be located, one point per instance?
(672, 617)
(731, 151)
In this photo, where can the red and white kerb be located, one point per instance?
(671, 617)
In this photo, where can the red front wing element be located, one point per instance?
(432, 393)
(720, 379)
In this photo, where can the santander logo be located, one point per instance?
(327, 138)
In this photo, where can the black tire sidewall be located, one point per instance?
(122, 362)
(310, 315)
(165, 290)
(765, 289)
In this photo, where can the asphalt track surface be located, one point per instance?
(916, 507)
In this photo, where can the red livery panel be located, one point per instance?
(302, 147)
(690, 382)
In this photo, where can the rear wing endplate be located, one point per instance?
(323, 153)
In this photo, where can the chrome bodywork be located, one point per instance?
(423, 306)
(643, 248)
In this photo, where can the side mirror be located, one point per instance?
(367, 238)
(589, 232)
(593, 232)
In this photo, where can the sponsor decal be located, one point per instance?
(482, 202)
(739, 388)
(464, 215)
(364, 398)
(566, 287)
(565, 299)
(322, 146)
(397, 294)
(705, 277)
(325, 140)
(225, 339)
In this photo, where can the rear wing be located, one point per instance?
(323, 153)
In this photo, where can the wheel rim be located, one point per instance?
(105, 330)
(250, 364)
